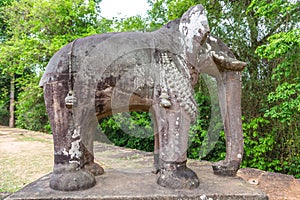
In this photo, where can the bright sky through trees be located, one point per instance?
(123, 8)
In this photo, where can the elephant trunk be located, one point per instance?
(230, 102)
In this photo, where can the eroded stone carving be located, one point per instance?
(100, 75)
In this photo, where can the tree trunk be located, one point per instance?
(12, 102)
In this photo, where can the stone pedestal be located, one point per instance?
(141, 184)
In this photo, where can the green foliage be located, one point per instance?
(259, 145)
(4, 99)
(266, 151)
(205, 145)
(132, 131)
(2, 22)
(206, 135)
(35, 30)
(198, 131)
(177, 8)
(284, 101)
(134, 23)
(4, 116)
(281, 44)
(43, 19)
(274, 9)
(30, 107)
(157, 16)
(287, 103)
(284, 49)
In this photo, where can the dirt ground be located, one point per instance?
(26, 156)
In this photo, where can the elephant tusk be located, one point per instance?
(225, 62)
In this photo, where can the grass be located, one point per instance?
(25, 138)
(24, 158)
(10, 180)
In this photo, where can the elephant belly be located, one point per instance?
(127, 84)
(112, 99)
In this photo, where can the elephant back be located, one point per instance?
(72, 54)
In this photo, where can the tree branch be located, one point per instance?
(273, 30)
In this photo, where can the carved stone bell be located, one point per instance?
(70, 100)
(164, 100)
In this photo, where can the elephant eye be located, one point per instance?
(204, 37)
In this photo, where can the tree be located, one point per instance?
(35, 30)
(282, 49)
(5, 80)
(2, 22)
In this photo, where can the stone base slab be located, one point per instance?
(141, 184)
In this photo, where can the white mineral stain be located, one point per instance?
(74, 161)
(208, 47)
(196, 25)
(75, 149)
(76, 133)
(65, 152)
(213, 39)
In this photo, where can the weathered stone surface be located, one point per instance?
(140, 184)
(128, 176)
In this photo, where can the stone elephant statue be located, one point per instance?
(100, 75)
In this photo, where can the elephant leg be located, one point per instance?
(156, 149)
(173, 126)
(230, 103)
(67, 173)
(88, 129)
(88, 141)
(86, 120)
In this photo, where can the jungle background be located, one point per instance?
(263, 33)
